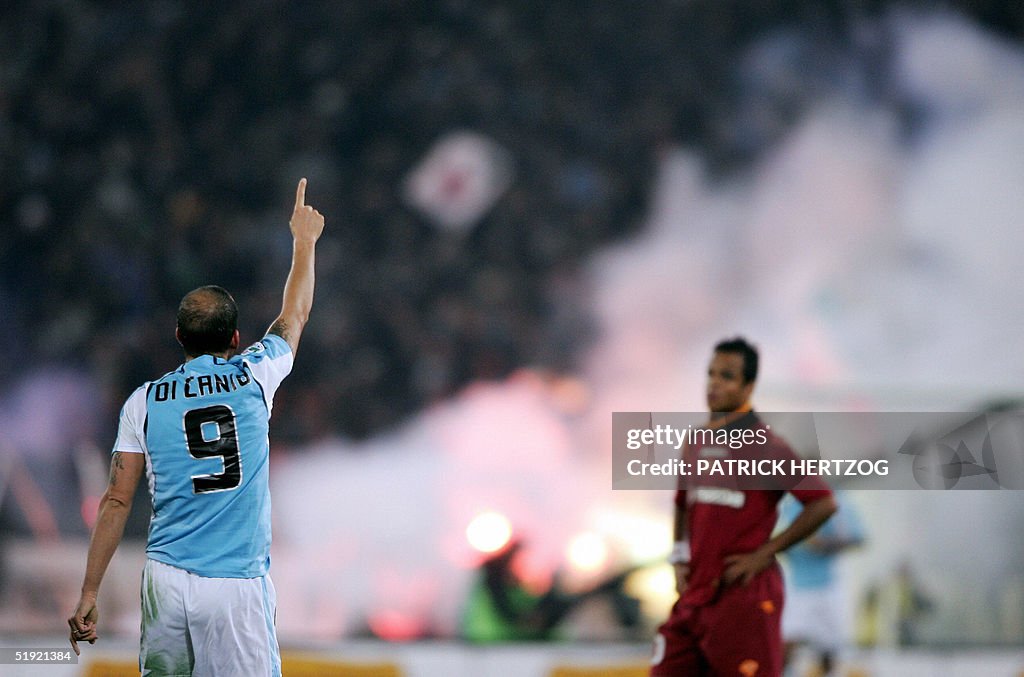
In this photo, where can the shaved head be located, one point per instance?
(207, 320)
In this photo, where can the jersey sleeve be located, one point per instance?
(269, 361)
(811, 489)
(804, 488)
(131, 428)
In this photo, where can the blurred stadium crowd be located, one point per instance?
(152, 147)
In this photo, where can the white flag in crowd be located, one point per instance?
(459, 180)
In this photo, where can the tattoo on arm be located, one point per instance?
(279, 328)
(116, 464)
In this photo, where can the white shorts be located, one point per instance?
(816, 616)
(198, 626)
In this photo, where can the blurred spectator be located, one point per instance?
(892, 611)
(502, 608)
(913, 604)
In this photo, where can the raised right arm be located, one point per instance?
(306, 225)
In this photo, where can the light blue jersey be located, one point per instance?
(810, 568)
(204, 430)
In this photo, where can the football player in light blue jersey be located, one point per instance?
(200, 434)
(814, 619)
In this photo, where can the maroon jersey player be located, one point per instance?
(726, 622)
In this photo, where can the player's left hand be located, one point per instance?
(742, 568)
(83, 622)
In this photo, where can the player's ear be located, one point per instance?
(177, 336)
(236, 339)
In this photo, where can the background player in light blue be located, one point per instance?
(815, 614)
(200, 433)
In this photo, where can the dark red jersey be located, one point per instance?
(722, 516)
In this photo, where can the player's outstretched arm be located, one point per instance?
(306, 224)
(125, 471)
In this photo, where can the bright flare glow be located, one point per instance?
(587, 552)
(489, 532)
(644, 536)
(655, 587)
(653, 582)
(395, 626)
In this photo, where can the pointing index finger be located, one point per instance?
(300, 194)
(74, 642)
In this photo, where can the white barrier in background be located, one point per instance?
(448, 659)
